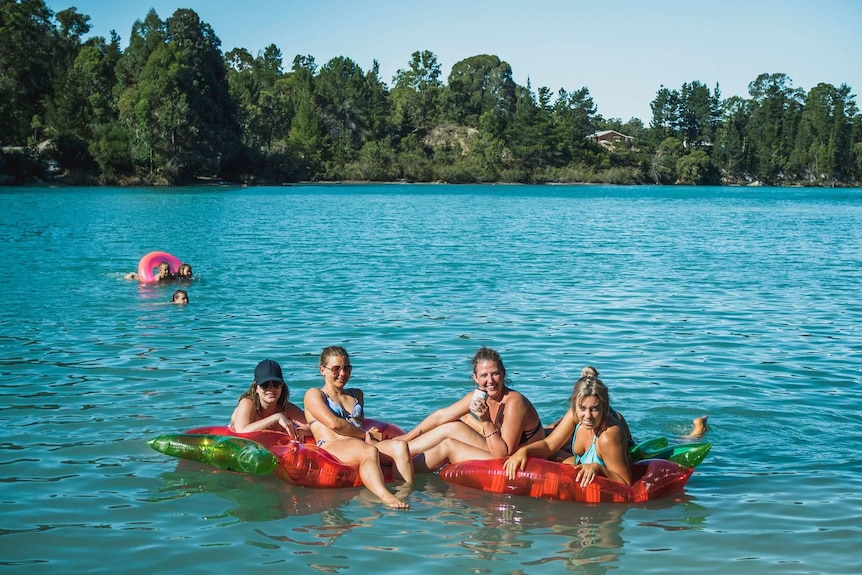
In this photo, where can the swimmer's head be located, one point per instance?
(180, 297)
(163, 271)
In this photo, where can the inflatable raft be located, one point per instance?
(296, 463)
(651, 479)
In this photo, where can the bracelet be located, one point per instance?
(495, 432)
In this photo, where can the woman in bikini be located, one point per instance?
(600, 444)
(335, 416)
(698, 428)
(476, 429)
(266, 404)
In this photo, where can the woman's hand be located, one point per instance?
(479, 408)
(373, 435)
(470, 421)
(303, 431)
(516, 462)
(288, 425)
(586, 473)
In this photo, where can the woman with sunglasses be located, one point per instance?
(335, 416)
(265, 405)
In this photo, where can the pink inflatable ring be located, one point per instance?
(151, 261)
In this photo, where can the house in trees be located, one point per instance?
(610, 137)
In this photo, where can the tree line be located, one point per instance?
(173, 109)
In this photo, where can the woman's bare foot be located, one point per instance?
(394, 503)
(698, 426)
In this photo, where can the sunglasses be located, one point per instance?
(270, 384)
(337, 369)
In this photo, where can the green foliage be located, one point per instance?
(376, 162)
(28, 44)
(664, 161)
(173, 109)
(477, 85)
(111, 149)
(175, 100)
(694, 168)
(417, 94)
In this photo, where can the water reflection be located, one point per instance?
(584, 538)
(256, 499)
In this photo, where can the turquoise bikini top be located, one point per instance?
(591, 455)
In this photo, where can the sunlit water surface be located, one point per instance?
(742, 304)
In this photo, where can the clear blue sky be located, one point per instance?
(623, 51)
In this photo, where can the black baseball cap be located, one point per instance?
(267, 370)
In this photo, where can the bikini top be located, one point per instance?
(528, 435)
(591, 455)
(356, 415)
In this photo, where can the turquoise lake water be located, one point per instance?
(741, 304)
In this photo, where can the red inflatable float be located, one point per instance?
(151, 261)
(306, 464)
(651, 479)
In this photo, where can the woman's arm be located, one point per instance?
(611, 447)
(297, 418)
(542, 448)
(504, 440)
(243, 419)
(294, 412)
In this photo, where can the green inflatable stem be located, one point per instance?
(222, 451)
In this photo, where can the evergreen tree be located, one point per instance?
(27, 49)
(416, 95)
(823, 143)
(665, 115)
(478, 85)
(775, 115)
(344, 93)
(575, 120)
(178, 102)
(734, 155)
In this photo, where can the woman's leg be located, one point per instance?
(698, 427)
(448, 451)
(399, 453)
(356, 452)
(452, 430)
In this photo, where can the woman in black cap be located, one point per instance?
(265, 405)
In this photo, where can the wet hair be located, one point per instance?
(488, 354)
(182, 267)
(591, 387)
(333, 351)
(178, 292)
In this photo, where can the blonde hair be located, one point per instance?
(591, 387)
